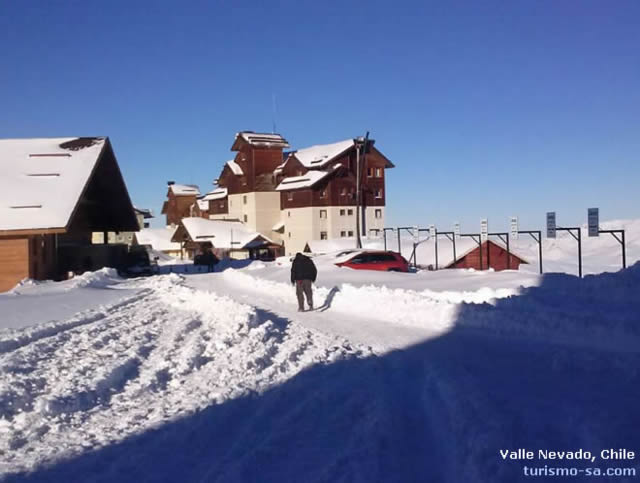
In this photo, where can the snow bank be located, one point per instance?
(122, 369)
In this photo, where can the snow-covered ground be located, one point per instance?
(395, 377)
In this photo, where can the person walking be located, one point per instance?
(303, 274)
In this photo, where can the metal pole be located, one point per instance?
(624, 252)
(358, 242)
(488, 254)
(540, 250)
(579, 252)
(454, 250)
(436, 245)
(508, 254)
(415, 255)
(399, 248)
(384, 232)
(480, 246)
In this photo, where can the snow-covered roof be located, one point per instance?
(146, 213)
(263, 139)
(222, 233)
(321, 154)
(235, 168)
(278, 226)
(41, 180)
(305, 181)
(185, 189)
(203, 204)
(216, 194)
(158, 238)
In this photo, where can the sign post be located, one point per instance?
(593, 218)
(514, 227)
(551, 224)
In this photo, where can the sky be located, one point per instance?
(487, 109)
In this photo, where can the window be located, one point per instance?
(378, 194)
(378, 213)
(289, 234)
(244, 199)
(350, 233)
(146, 225)
(350, 212)
(288, 214)
(323, 235)
(299, 172)
(323, 213)
(378, 172)
(245, 218)
(343, 234)
(369, 172)
(221, 205)
(374, 231)
(342, 212)
(323, 193)
(343, 192)
(290, 196)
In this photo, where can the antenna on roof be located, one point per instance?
(274, 112)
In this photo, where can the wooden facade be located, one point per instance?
(493, 256)
(339, 187)
(257, 164)
(177, 207)
(103, 205)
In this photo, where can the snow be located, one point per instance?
(217, 194)
(221, 233)
(305, 181)
(319, 155)
(184, 189)
(41, 192)
(158, 238)
(203, 205)
(395, 377)
(263, 139)
(235, 168)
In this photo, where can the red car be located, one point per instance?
(376, 260)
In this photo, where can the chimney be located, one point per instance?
(169, 183)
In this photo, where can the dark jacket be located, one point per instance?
(303, 268)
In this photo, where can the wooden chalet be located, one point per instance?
(180, 200)
(257, 156)
(227, 238)
(488, 255)
(325, 175)
(54, 192)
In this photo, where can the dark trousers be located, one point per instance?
(303, 287)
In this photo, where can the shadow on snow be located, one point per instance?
(438, 411)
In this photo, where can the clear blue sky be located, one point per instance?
(486, 108)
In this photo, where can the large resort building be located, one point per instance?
(292, 198)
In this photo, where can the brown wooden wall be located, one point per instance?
(344, 180)
(14, 261)
(178, 207)
(219, 207)
(497, 258)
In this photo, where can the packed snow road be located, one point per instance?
(216, 378)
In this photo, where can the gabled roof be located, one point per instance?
(321, 154)
(185, 189)
(307, 180)
(216, 194)
(475, 247)
(235, 168)
(144, 212)
(43, 179)
(203, 204)
(259, 139)
(221, 233)
(158, 238)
